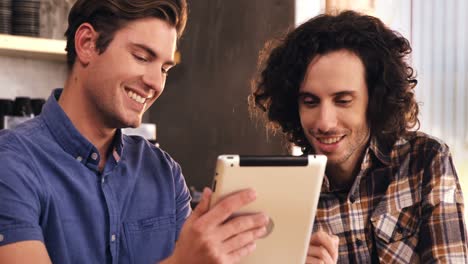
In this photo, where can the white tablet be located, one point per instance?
(288, 190)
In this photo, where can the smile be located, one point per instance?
(136, 97)
(330, 140)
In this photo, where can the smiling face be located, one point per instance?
(333, 100)
(126, 79)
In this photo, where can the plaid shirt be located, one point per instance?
(405, 206)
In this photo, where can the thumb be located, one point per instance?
(336, 239)
(204, 205)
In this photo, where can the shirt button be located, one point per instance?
(79, 158)
(113, 238)
(103, 180)
(400, 229)
(94, 156)
(359, 242)
(2, 237)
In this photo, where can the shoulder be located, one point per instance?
(423, 160)
(18, 174)
(17, 146)
(421, 146)
(13, 145)
(428, 159)
(21, 135)
(13, 153)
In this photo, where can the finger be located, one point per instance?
(204, 204)
(227, 206)
(243, 239)
(320, 253)
(241, 224)
(335, 252)
(323, 239)
(312, 260)
(237, 255)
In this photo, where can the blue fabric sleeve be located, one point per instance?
(19, 200)
(183, 198)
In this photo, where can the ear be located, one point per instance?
(85, 43)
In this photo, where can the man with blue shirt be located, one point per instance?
(74, 189)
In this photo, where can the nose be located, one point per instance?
(327, 119)
(154, 79)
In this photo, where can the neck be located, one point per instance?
(342, 177)
(82, 114)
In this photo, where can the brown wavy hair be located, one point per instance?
(108, 16)
(392, 108)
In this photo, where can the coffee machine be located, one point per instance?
(15, 112)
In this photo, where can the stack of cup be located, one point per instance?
(26, 17)
(36, 105)
(14, 112)
(5, 16)
(22, 107)
(6, 109)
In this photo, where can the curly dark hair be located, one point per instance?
(108, 16)
(392, 108)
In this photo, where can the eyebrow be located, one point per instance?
(152, 53)
(340, 93)
(302, 94)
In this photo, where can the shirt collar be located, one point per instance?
(381, 152)
(69, 138)
(366, 164)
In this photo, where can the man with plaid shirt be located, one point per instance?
(339, 85)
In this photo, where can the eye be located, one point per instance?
(140, 58)
(344, 100)
(309, 101)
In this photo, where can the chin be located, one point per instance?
(129, 123)
(134, 124)
(332, 159)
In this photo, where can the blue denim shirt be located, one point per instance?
(51, 190)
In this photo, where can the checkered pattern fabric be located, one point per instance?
(405, 206)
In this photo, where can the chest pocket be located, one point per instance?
(397, 226)
(397, 234)
(151, 239)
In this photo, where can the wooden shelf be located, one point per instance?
(35, 48)
(39, 48)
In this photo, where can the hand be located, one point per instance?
(323, 248)
(211, 236)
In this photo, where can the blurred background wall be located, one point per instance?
(203, 111)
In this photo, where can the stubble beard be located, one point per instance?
(354, 148)
(362, 136)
